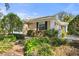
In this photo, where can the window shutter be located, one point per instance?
(37, 25)
(45, 24)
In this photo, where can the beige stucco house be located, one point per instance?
(44, 23)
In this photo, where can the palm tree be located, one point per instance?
(64, 16)
(7, 6)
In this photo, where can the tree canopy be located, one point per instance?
(11, 22)
(64, 16)
(7, 6)
(73, 26)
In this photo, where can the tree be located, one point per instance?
(64, 17)
(67, 18)
(7, 6)
(1, 15)
(73, 26)
(11, 22)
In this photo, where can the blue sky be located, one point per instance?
(40, 9)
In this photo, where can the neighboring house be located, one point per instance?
(45, 23)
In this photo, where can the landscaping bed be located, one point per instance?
(10, 46)
(39, 47)
(16, 50)
(66, 50)
(46, 45)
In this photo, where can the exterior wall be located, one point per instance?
(52, 24)
(48, 24)
(32, 26)
(25, 29)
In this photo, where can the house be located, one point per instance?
(45, 23)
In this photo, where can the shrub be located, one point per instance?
(44, 39)
(39, 33)
(51, 33)
(2, 37)
(73, 27)
(35, 46)
(19, 36)
(58, 42)
(45, 50)
(30, 33)
(10, 38)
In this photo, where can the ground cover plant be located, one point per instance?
(7, 38)
(5, 46)
(5, 42)
(41, 46)
(10, 38)
(37, 46)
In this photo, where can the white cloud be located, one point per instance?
(27, 15)
(35, 15)
(3, 10)
(22, 15)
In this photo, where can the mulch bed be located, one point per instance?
(17, 50)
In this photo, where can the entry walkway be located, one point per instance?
(72, 37)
